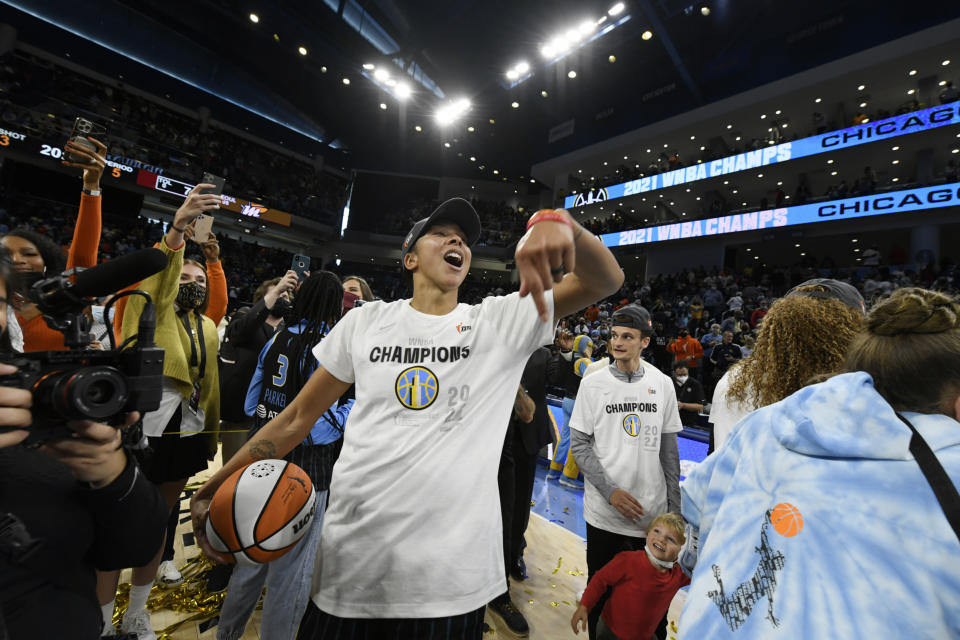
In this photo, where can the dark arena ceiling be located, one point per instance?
(444, 52)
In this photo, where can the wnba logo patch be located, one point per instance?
(631, 424)
(416, 388)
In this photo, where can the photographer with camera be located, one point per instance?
(182, 433)
(35, 256)
(67, 508)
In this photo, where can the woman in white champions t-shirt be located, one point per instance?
(804, 334)
(412, 537)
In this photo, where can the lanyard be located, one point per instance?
(936, 476)
(193, 347)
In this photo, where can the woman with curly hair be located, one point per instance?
(834, 512)
(806, 333)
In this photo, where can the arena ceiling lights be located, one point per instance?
(383, 78)
(566, 42)
(452, 111)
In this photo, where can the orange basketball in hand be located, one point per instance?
(261, 511)
(786, 520)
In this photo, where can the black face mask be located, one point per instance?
(190, 296)
(281, 308)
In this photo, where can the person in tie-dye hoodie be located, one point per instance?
(815, 520)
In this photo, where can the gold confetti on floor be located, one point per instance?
(559, 562)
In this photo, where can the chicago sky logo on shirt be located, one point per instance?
(417, 388)
(631, 424)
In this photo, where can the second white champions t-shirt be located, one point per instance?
(413, 529)
(627, 420)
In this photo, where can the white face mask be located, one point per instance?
(682, 379)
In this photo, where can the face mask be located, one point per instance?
(280, 308)
(190, 296)
(97, 312)
(682, 379)
(660, 563)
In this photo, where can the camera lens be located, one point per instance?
(93, 393)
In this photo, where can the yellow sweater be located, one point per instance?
(172, 336)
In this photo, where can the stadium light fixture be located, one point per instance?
(515, 104)
(369, 66)
(449, 112)
(646, 35)
(616, 9)
(383, 105)
(704, 10)
(302, 50)
(402, 91)
(418, 128)
(381, 75)
(913, 72)
(346, 81)
(945, 63)
(571, 74)
(254, 18)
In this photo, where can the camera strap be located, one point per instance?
(185, 318)
(935, 474)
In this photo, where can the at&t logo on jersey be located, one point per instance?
(631, 424)
(417, 388)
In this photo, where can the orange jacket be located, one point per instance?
(688, 349)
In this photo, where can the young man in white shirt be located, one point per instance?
(412, 542)
(624, 430)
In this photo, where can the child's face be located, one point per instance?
(662, 542)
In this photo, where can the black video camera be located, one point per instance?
(90, 384)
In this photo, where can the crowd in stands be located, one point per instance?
(712, 203)
(42, 99)
(706, 304)
(779, 129)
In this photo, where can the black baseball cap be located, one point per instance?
(455, 210)
(842, 291)
(632, 316)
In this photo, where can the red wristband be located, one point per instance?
(548, 215)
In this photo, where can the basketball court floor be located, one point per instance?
(555, 559)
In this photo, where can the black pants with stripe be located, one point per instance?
(318, 625)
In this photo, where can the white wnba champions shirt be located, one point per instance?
(413, 529)
(626, 420)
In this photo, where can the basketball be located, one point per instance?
(786, 520)
(261, 511)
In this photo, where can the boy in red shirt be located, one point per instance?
(651, 576)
